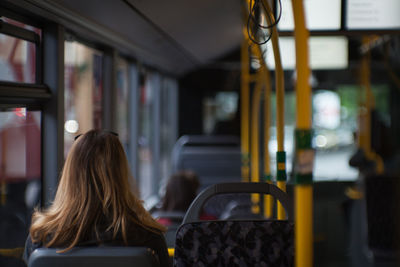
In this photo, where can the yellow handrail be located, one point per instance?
(255, 118)
(280, 109)
(265, 80)
(171, 252)
(268, 199)
(12, 252)
(244, 106)
(3, 192)
(303, 189)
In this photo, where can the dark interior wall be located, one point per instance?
(194, 87)
(395, 116)
(190, 111)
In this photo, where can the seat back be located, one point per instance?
(193, 212)
(94, 256)
(215, 159)
(235, 242)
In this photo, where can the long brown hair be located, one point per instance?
(94, 188)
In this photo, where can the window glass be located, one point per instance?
(83, 91)
(20, 175)
(332, 135)
(17, 60)
(146, 136)
(335, 116)
(220, 113)
(167, 124)
(334, 122)
(122, 102)
(17, 56)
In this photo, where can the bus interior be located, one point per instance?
(168, 77)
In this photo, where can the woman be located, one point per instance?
(94, 203)
(181, 190)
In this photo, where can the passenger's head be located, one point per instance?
(181, 190)
(96, 169)
(94, 195)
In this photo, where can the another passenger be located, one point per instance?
(94, 204)
(181, 190)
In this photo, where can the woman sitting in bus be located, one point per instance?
(94, 204)
(181, 190)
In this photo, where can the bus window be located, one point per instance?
(168, 125)
(18, 56)
(220, 114)
(334, 122)
(83, 91)
(146, 136)
(20, 173)
(122, 102)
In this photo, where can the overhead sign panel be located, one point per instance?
(320, 15)
(372, 14)
(325, 52)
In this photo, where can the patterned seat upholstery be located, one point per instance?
(235, 243)
(247, 242)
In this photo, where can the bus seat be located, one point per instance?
(235, 243)
(195, 208)
(245, 242)
(236, 210)
(94, 256)
(215, 159)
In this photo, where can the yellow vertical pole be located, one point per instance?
(263, 81)
(304, 153)
(255, 118)
(3, 192)
(268, 200)
(280, 110)
(244, 106)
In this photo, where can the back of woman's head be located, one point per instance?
(96, 170)
(94, 195)
(181, 190)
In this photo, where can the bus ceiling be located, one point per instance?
(174, 36)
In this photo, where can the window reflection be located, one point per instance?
(83, 91)
(17, 60)
(146, 136)
(122, 102)
(167, 124)
(17, 56)
(20, 175)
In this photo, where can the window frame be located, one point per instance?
(48, 90)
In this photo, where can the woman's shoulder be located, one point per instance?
(141, 233)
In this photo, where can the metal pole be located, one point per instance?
(244, 106)
(304, 152)
(280, 110)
